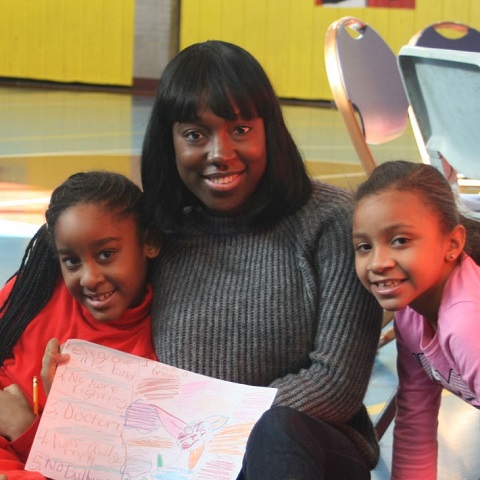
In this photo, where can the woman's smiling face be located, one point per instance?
(221, 161)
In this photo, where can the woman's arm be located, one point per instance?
(348, 322)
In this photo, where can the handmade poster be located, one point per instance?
(115, 416)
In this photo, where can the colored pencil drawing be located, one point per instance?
(112, 415)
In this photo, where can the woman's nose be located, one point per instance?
(222, 148)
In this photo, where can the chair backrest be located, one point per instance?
(366, 85)
(459, 37)
(443, 90)
(448, 35)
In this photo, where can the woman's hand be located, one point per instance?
(16, 414)
(51, 359)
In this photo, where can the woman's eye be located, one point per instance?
(193, 135)
(242, 129)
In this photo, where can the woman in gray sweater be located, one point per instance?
(256, 281)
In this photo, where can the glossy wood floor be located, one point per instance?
(45, 135)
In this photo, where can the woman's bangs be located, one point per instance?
(228, 96)
(182, 106)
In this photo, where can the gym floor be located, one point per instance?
(47, 134)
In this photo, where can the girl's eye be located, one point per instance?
(400, 241)
(106, 255)
(363, 247)
(70, 262)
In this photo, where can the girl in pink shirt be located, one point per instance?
(412, 253)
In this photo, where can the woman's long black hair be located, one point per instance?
(231, 82)
(39, 270)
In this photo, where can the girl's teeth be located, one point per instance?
(101, 298)
(389, 283)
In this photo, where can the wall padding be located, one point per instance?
(287, 36)
(86, 41)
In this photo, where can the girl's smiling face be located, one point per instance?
(103, 259)
(401, 254)
(221, 161)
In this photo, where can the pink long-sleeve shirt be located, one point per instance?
(430, 361)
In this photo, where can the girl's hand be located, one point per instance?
(15, 412)
(51, 359)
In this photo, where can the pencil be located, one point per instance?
(35, 395)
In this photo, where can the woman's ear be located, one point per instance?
(457, 238)
(152, 244)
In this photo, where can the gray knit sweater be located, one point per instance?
(278, 307)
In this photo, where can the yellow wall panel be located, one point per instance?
(71, 64)
(274, 28)
(86, 41)
(298, 45)
(55, 40)
(253, 9)
(19, 30)
(287, 36)
(230, 26)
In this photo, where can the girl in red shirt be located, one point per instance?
(83, 275)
